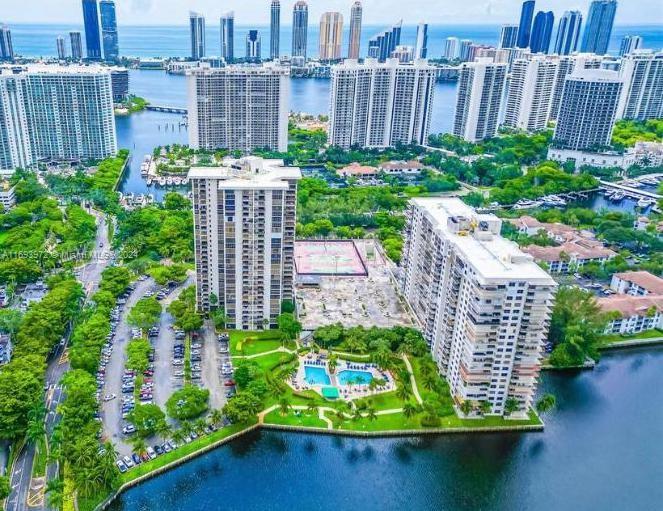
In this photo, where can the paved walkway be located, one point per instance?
(321, 413)
(277, 350)
(413, 381)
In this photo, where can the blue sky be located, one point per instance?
(175, 12)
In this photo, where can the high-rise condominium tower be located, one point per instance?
(354, 43)
(244, 215)
(382, 45)
(508, 36)
(530, 92)
(253, 46)
(109, 30)
(380, 104)
(92, 33)
(568, 64)
(6, 47)
(197, 34)
(451, 48)
(61, 48)
(599, 26)
(55, 112)
(238, 107)
(421, 46)
(542, 32)
(299, 29)
(479, 99)
(465, 49)
(228, 37)
(274, 29)
(630, 43)
(588, 109)
(568, 33)
(76, 42)
(525, 25)
(331, 35)
(484, 305)
(642, 96)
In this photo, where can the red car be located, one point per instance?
(229, 383)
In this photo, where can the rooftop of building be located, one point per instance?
(356, 169)
(401, 164)
(388, 63)
(476, 236)
(644, 279)
(594, 75)
(54, 69)
(266, 68)
(579, 248)
(248, 172)
(627, 305)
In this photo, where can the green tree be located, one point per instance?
(410, 410)
(215, 417)
(511, 405)
(485, 407)
(546, 403)
(148, 419)
(187, 403)
(284, 405)
(288, 325)
(242, 408)
(145, 314)
(5, 489)
(467, 406)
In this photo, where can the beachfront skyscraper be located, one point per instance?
(331, 36)
(599, 26)
(568, 33)
(228, 37)
(588, 109)
(380, 104)
(525, 25)
(479, 99)
(197, 35)
(464, 49)
(568, 64)
(530, 92)
(451, 48)
(60, 47)
(642, 96)
(508, 36)
(109, 30)
(92, 33)
(244, 216)
(299, 29)
(274, 29)
(253, 46)
(541, 32)
(382, 45)
(354, 42)
(76, 42)
(239, 108)
(421, 45)
(483, 304)
(630, 43)
(49, 112)
(6, 47)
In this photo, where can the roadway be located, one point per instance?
(58, 365)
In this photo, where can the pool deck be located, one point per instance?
(347, 392)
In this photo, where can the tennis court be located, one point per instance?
(329, 257)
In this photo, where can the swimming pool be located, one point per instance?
(316, 375)
(357, 377)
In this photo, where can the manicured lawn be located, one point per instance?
(648, 334)
(269, 362)
(304, 419)
(182, 451)
(388, 422)
(251, 343)
(385, 401)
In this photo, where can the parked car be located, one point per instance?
(121, 466)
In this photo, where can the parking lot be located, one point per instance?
(357, 300)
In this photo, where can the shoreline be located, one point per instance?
(533, 428)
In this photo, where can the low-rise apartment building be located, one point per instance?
(637, 283)
(632, 314)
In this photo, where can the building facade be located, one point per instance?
(197, 35)
(525, 25)
(479, 99)
(109, 30)
(568, 33)
(76, 42)
(92, 32)
(253, 46)
(6, 46)
(299, 29)
(382, 45)
(274, 29)
(60, 47)
(62, 113)
(244, 235)
(483, 305)
(377, 104)
(600, 19)
(642, 96)
(354, 42)
(451, 48)
(120, 84)
(629, 44)
(421, 45)
(588, 109)
(530, 92)
(331, 36)
(508, 36)
(228, 37)
(567, 64)
(238, 107)
(542, 32)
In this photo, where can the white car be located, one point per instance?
(109, 397)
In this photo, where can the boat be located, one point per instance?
(618, 196)
(169, 180)
(162, 181)
(177, 181)
(608, 194)
(645, 203)
(149, 181)
(185, 180)
(526, 204)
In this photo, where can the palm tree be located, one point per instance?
(467, 406)
(139, 445)
(546, 403)
(164, 430)
(370, 413)
(356, 414)
(340, 415)
(108, 468)
(312, 406)
(187, 428)
(215, 417)
(178, 436)
(430, 381)
(403, 392)
(200, 425)
(55, 493)
(511, 405)
(410, 410)
(485, 407)
(36, 430)
(284, 405)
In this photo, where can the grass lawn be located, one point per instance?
(388, 422)
(305, 419)
(252, 343)
(181, 451)
(648, 334)
(385, 401)
(40, 460)
(269, 362)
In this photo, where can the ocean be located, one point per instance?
(38, 40)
